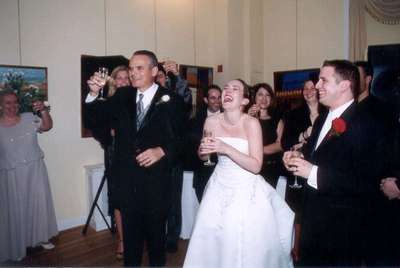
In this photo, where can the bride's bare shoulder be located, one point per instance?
(249, 120)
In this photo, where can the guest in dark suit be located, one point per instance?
(202, 173)
(298, 127)
(381, 246)
(389, 252)
(342, 169)
(168, 77)
(147, 120)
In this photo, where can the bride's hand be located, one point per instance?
(213, 145)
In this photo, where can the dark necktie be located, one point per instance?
(139, 111)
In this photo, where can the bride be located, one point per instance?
(242, 221)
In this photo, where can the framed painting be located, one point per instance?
(89, 65)
(28, 82)
(198, 78)
(289, 85)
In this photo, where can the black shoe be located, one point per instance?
(171, 247)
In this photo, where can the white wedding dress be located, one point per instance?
(241, 222)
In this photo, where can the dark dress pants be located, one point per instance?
(142, 227)
(200, 178)
(174, 220)
(271, 172)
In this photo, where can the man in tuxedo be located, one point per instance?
(147, 120)
(202, 173)
(342, 165)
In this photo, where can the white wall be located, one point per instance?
(301, 34)
(9, 42)
(250, 38)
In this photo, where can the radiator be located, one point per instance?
(94, 174)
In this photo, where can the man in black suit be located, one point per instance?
(168, 77)
(147, 120)
(202, 173)
(381, 246)
(343, 167)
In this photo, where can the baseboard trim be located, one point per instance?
(70, 223)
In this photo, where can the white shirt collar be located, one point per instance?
(339, 110)
(148, 95)
(328, 121)
(212, 113)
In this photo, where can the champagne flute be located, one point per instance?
(35, 113)
(208, 134)
(103, 71)
(296, 152)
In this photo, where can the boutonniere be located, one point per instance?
(338, 127)
(164, 99)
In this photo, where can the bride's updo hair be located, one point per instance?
(246, 90)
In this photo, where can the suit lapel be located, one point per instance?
(316, 130)
(346, 116)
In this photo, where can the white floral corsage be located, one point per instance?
(164, 99)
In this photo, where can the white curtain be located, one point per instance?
(384, 11)
(357, 31)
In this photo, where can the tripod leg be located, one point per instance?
(94, 204)
(104, 218)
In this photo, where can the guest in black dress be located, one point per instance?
(119, 78)
(298, 126)
(264, 108)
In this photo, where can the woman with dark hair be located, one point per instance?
(299, 122)
(298, 126)
(264, 108)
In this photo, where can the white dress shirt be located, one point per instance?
(148, 95)
(209, 113)
(333, 114)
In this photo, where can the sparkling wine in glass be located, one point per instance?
(295, 153)
(35, 113)
(103, 71)
(208, 134)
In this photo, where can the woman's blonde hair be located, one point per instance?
(111, 85)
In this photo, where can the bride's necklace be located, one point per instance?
(226, 122)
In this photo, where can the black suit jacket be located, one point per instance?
(349, 173)
(201, 173)
(141, 189)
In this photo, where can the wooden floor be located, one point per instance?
(94, 249)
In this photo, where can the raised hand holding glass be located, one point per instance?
(296, 152)
(103, 72)
(208, 134)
